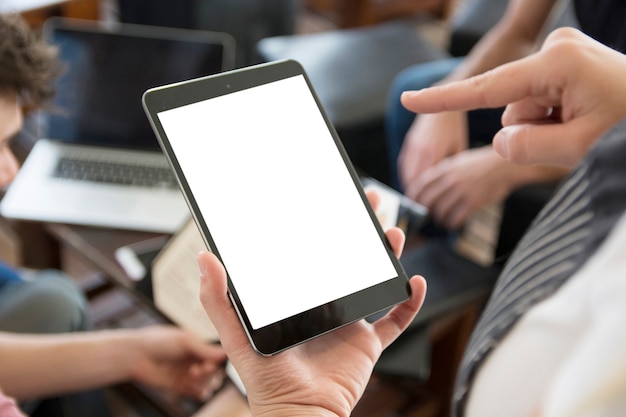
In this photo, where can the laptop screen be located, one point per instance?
(107, 69)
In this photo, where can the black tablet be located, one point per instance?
(277, 200)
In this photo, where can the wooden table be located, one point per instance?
(96, 247)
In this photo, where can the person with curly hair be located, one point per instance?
(50, 363)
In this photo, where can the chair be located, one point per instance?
(431, 349)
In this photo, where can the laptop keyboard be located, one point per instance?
(115, 173)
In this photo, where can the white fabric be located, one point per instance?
(567, 355)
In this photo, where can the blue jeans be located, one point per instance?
(46, 302)
(398, 119)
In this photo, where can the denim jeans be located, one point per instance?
(397, 118)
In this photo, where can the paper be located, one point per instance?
(395, 209)
(176, 283)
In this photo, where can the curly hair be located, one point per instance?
(28, 65)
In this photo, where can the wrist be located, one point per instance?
(293, 410)
(534, 174)
(124, 345)
(110, 352)
(511, 175)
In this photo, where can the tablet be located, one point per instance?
(277, 199)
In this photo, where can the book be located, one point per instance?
(176, 282)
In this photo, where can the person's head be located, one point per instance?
(28, 67)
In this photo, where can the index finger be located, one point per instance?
(495, 88)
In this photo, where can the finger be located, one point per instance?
(199, 385)
(495, 88)
(414, 189)
(544, 144)
(452, 209)
(396, 239)
(410, 173)
(389, 327)
(419, 189)
(209, 354)
(427, 189)
(431, 185)
(215, 300)
(373, 198)
(407, 166)
(459, 215)
(525, 111)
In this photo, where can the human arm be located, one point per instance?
(433, 137)
(569, 93)
(162, 356)
(325, 376)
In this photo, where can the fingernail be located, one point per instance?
(501, 143)
(201, 264)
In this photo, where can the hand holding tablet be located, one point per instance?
(277, 201)
(311, 373)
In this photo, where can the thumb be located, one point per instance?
(560, 144)
(216, 302)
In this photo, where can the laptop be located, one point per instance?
(98, 162)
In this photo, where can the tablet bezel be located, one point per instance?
(273, 338)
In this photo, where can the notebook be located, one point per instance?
(98, 162)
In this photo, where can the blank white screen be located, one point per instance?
(277, 199)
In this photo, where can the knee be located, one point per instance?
(52, 304)
(61, 299)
